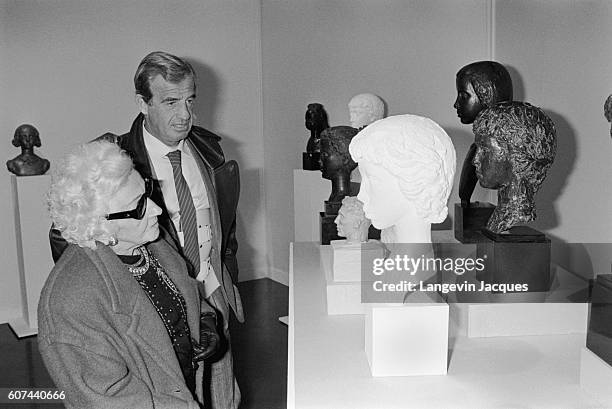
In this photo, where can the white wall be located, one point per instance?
(560, 54)
(67, 68)
(407, 52)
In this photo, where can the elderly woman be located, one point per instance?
(120, 321)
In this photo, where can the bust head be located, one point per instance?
(516, 145)
(608, 111)
(407, 165)
(480, 85)
(365, 109)
(316, 118)
(352, 222)
(335, 157)
(26, 136)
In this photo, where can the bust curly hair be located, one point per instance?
(527, 137)
(419, 153)
(82, 184)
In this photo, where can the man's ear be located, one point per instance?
(142, 104)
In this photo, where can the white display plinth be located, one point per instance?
(342, 297)
(545, 313)
(34, 259)
(310, 191)
(347, 258)
(596, 376)
(407, 339)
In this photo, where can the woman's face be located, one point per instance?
(132, 233)
(383, 202)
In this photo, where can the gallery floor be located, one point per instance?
(260, 350)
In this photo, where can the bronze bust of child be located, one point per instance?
(27, 163)
(336, 161)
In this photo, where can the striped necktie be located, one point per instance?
(188, 222)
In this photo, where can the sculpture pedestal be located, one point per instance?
(34, 259)
(520, 257)
(595, 375)
(599, 335)
(348, 258)
(310, 160)
(407, 339)
(470, 220)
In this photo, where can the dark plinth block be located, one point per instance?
(521, 256)
(332, 208)
(310, 161)
(470, 220)
(329, 230)
(599, 335)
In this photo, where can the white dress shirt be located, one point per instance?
(162, 168)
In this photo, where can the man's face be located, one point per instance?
(492, 162)
(467, 103)
(169, 112)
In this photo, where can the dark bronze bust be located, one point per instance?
(516, 145)
(336, 161)
(28, 163)
(480, 85)
(608, 112)
(316, 122)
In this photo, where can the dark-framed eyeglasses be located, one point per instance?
(141, 208)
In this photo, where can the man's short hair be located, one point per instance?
(172, 69)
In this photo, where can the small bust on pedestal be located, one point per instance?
(363, 110)
(352, 222)
(316, 122)
(27, 163)
(349, 255)
(516, 146)
(336, 165)
(608, 112)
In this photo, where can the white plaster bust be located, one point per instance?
(365, 109)
(407, 165)
(352, 222)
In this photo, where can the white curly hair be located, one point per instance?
(82, 185)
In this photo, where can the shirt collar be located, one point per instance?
(157, 148)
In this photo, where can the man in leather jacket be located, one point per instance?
(165, 92)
